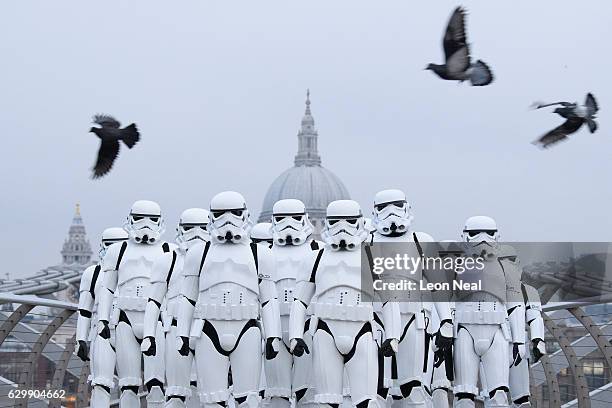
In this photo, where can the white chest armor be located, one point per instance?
(134, 275)
(488, 305)
(288, 261)
(229, 285)
(338, 290)
(174, 286)
(405, 243)
(410, 306)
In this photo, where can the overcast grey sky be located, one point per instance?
(217, 90)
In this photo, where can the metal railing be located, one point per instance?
(37, 337)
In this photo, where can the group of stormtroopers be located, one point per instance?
(243, 315)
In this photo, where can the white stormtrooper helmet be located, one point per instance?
(344, 225)
(145, 223)
(262, 232)
(110, 236)
(481, 234)
(229, 217)
(193, 226)
(392, 213)
(290, 223)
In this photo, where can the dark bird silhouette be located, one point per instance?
(576, 115)
(458, 65)
(110, 133)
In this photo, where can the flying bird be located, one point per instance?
(110, 133)
(458, 65)
(576, 115)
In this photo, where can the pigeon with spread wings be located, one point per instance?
(458, 65)
(576, 115)
(110, 133)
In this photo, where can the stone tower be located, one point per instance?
(76, 249)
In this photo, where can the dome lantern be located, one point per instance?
(307, 180)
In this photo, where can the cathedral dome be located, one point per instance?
(307, 180)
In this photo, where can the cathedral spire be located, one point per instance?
(308, 154)
(76, 247)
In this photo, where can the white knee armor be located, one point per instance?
(127, 268)
(227, 288)
(97, 351)
(342, 312)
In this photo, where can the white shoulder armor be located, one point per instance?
(112, 256)
(194, 259)
(532, 297)
(87, 278)
(177, 275)
(163, 266)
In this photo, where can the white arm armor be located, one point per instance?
(190, 288)
(157, 291)
(86, 302)
(516, 318)
(392, 320)
(304, 291)
(514, 304)
(444, 311)
(533, 313)
(270, 308)
(109, 283)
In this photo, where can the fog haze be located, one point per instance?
(217, 90)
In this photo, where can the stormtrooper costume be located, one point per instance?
(441, 379)
(519, 368)
(164, 292)
(226, 290)
(342, 313)
(99, 352)
(286, 375)
(127, 268)
(392, 219)
(486, 320)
